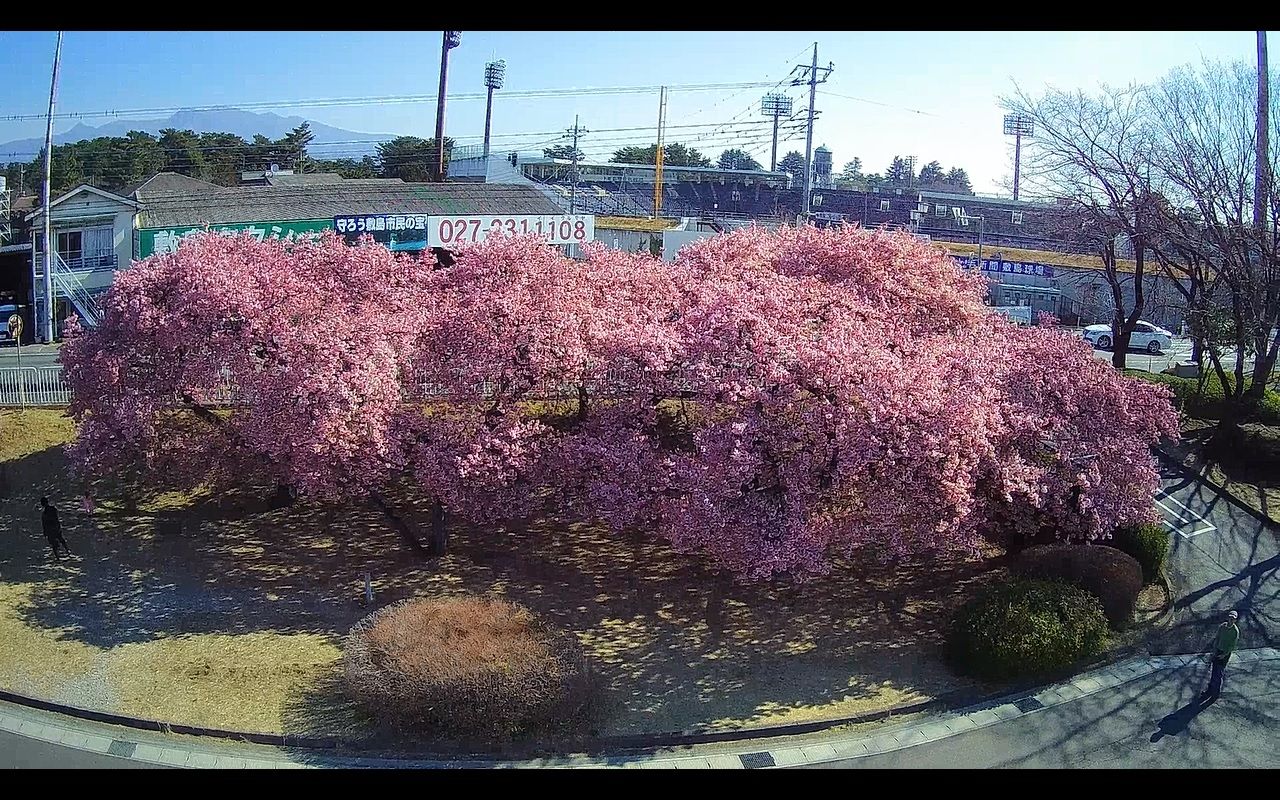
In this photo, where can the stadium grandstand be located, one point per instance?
(728, 198)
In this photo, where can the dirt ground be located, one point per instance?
(224, 612)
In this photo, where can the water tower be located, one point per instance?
(822, 167)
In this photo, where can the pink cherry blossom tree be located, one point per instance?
(769, 400)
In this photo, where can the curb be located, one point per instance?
(604, 745)
(1005, 708)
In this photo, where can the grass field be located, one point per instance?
(222, 611)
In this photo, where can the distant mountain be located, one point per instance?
(329, 142)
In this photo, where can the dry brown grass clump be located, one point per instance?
(465, 667)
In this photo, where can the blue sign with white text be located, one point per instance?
(395, 231)
(1000, 266)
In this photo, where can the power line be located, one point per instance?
(878, 103)
(385, 100)
(351, 142)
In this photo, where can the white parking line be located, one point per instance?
(1192, 522)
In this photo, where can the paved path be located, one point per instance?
(1156, 721)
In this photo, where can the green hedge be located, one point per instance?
(1209, 401)
(1149, 544)
(1109, 574)
(1026, 628)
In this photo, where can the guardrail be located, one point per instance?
(33, 386)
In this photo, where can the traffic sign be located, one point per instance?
(15, 326)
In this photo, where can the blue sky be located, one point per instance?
(933, 94)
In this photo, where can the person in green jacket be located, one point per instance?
(1223, 646)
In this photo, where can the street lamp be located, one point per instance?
(1017, 126)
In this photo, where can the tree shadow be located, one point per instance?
(676, 647)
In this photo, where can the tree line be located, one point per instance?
(117, 163)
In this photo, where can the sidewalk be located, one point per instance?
(1124, 683)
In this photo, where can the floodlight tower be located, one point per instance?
(450, 40)
(1017, 126)
(495, 72)
(776, 105)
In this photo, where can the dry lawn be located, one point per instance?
(222, 611)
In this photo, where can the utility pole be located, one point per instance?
(495, 72)
(450, 40)
(576, 131)
(809, 75)
(659, 155)
(1262, 170)
(47, 327)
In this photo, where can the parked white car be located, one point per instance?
(1146, 336)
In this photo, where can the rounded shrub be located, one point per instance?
(1148, 544)
(1113, 576)
(464, 667)
(1026, 628)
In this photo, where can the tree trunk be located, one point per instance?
(439, 530)
(1263, 366)
(715, 604)
(283, 496)
(401, 527)
(1119, 344)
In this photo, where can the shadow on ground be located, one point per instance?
(677, 648)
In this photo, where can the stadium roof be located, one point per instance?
(651, 167)
(323, 200)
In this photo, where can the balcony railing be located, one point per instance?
(90, 263)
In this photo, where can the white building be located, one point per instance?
(92, 235)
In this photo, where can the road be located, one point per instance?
(1140, 359)
(19, 752)
(43, 355)
(33, 355)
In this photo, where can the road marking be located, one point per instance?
(1191, 523)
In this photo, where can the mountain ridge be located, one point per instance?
(329, 141)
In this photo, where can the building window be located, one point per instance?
(941, 210)
(817, 199)
(71, 245)
(884, 205)
(1017, 217)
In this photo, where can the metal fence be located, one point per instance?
(33, 386)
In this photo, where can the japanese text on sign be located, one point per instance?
(1007, 267)
(447, 231)
(166, 240)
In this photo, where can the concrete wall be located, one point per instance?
(672, 241)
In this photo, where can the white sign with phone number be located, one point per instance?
(554, 228)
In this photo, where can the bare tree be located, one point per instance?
(1206, 157)
(1092, 154)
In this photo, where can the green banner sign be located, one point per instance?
(166, 240)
